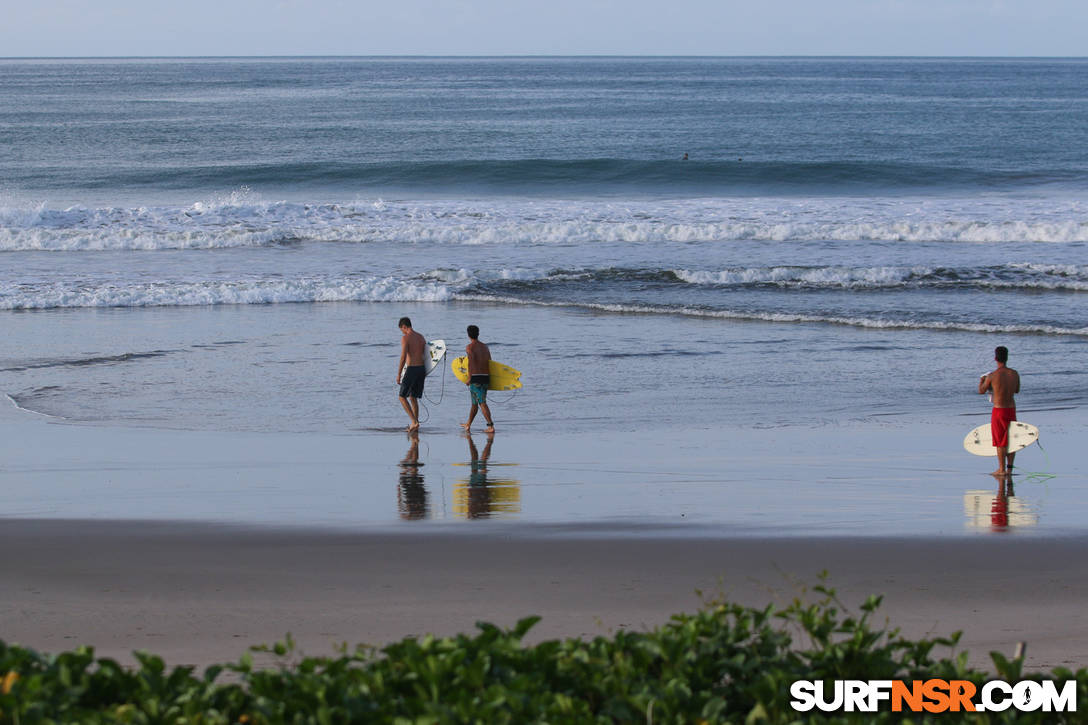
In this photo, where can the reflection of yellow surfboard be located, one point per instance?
(486, 498)
(503, 377)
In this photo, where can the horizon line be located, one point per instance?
(313, 56)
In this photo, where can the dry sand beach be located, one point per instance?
(102, 550)
(200, 594)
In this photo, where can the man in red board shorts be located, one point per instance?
(1004, 383)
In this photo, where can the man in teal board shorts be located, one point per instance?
(479, 378)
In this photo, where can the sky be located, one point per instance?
(71, 28)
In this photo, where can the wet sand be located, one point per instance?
(910, 479)
(199, 594)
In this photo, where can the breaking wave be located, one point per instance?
(243, 219)
(851, 321)
(575, 284)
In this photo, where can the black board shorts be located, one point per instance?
(411, 384)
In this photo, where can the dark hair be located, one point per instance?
(1001, 353)
(404, 322)
(473, 331)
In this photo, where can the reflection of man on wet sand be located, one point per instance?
(999, 509)
(1004, 383)
(411, 493)
(479, 462)
(479, 496)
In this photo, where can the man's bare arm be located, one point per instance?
(403, 356)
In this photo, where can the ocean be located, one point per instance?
(690, 243)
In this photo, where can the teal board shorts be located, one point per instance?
(477, 388)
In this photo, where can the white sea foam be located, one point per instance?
(244, 292)
(465, 277)
(1061, 270)
(1011, 276)
(816, 276)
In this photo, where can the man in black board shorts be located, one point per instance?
(412, 346)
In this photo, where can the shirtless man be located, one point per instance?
(479, 377)
(412, 345)
(1004, 383)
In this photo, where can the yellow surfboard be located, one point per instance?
(503, 377)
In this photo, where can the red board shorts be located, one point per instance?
(1000, 419)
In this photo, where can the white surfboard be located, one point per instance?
(436, 353)
(436, 350)
(1021, 435)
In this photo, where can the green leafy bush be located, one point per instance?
(724, 664)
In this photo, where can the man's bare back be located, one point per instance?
(412, 345)
(479, 358)
(1004, 383)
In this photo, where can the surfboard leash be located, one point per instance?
(441, 396)
(512, 394)
(442, 393)
(1040, 476)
